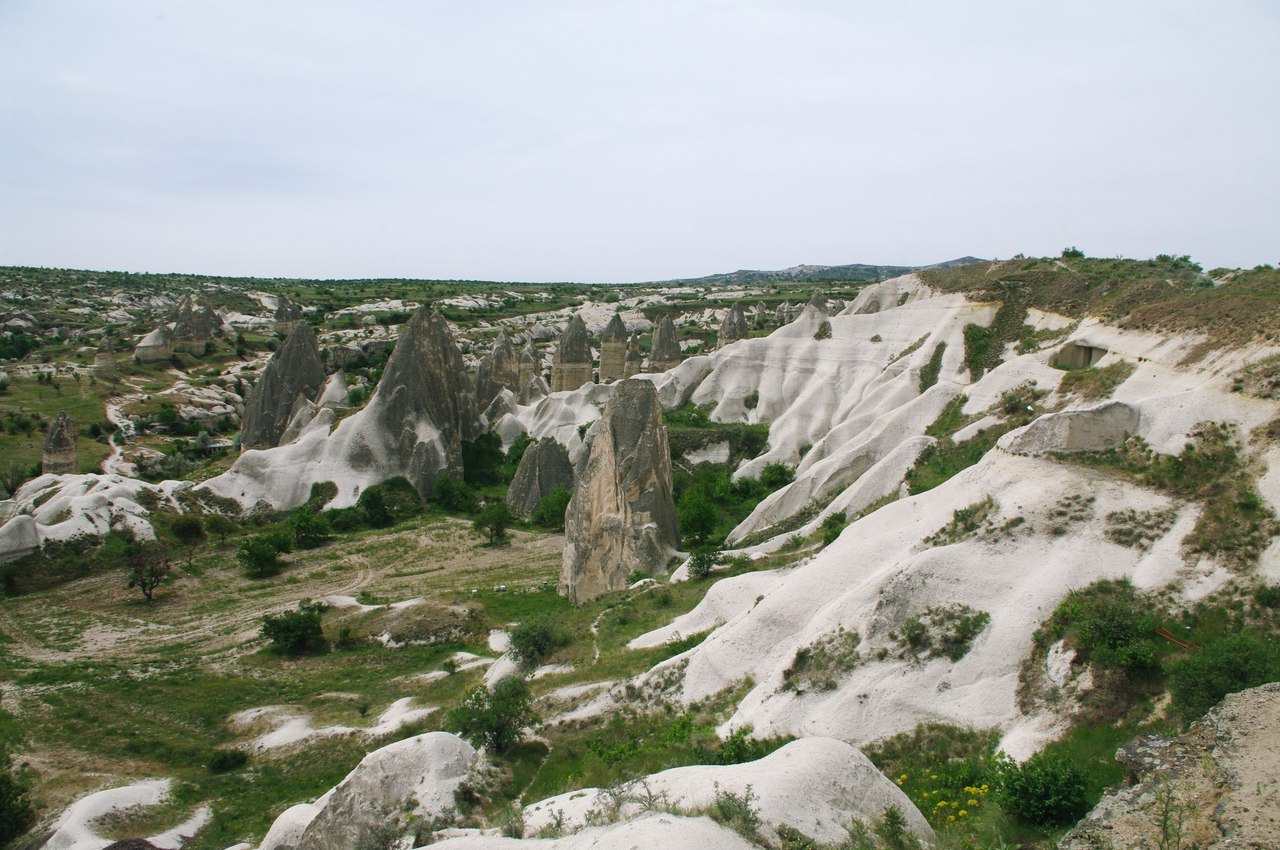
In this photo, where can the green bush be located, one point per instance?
(492, 522)
(495, 720)
(1110, 621)
(931, 370)
(296, 632)
(977, 349)
(455, 495)
(259, 557)
(701, 564)
(1199, 681)
(16, 813)
(309, 529)
(832, 527)
(1046, 791)
(225, 761)
(373, 503)
(775, 475)
(550, 511)
(533, 640)
(482, 460)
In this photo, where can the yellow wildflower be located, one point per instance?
(963, 813)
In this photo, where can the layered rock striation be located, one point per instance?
(622, 517)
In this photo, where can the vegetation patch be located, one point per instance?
(1139, 529)
(965, 522)
(1094, 382)
(1069, 511)
(943, 631)
(819, 666)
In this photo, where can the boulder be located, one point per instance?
(1092, 429)
(622, 517)
(415, 777)
(294, 370)
(544, 467)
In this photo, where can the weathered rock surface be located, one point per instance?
(734, 326)
(613, 351)
(294, 370)
(665, 353)
(497, 371)
(1219, 780)
(635, 358)
(571, 366)
(413, 777)
(287, 316)
(670, 832)
(1098, 428)
(425, 403)
(530, 366)
(544, 467)
(104, 359)
(622, 516)
(60, 447)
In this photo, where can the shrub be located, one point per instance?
(224, 761)
(832, 527)
(374, 505)
(977, 349)
(775, 475)
(550, 511)
(1198, 682)
(1046, 791)
(931, 370)
(259, 557)
(492, 522)
(190, 533)
(495, 720)
(455, 495)
(309, 529)
(823, 331)
(16, 813)
(701, 564)
(737, 812)
(533, 640)
(296, 632)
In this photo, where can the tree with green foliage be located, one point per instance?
(495, 719)
(492, 522)
(551, 510)
(259, 557)
(190, 533)
(533, 640)
(374, 504)
(775, 475)
(148, 568)
(219, 525)
(833, 527)
(454, 495)
(1045, 791)
(16, 813)
(296, 632)
(701, 564)
(309, 529)
(482, 459)
(1235, 663)
(696, 515)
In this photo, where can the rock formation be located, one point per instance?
(287, 316)
(783, 314)
(497, 371)
(544, 467)
(571, 367)
(665, 353)
(1217, 782)
(294, 370)
(613, 351)
(104, 360)
(60, 448)
(734, 326)
(818, 302)
(194, 327)
(622, 517)
(425, 403)
(155, 346)
(837, 306)
(530, 366)
(635, 358)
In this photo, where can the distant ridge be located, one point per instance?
(801, 273)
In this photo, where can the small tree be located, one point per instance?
(701, 564)
(550, 511)
(696, 515)
(1046, 791)
(533, 640)
(492, 522)
(296, 632)
(259, 557)
(309, 529)
(190, 533)
(374, 505)
(495, 720)
(148, 567)
(219, 525)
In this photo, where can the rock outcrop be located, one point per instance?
(571, 367)
(544, 467)
(1216, 783)
(60, 448)
(287, 316)
(734, 326)
(622, 516)
(613, 351)
(665, 353)
(294, 370)
(818, 302)
(155, 346)
(425, 403)
(104, 359)
(497, 371)
(194, 326)
(635, 358)
(530, 366)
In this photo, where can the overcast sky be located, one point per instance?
(622, 141)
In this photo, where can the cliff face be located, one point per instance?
(425, 404)
(622, 516)
(294, 370)
(544, 467)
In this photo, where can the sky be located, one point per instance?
(601, 141)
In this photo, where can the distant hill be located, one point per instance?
(802, 273)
